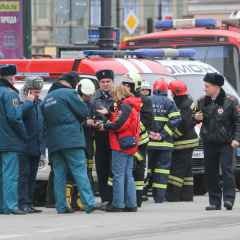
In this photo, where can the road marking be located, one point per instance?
(11, 236)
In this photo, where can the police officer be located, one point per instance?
(12, 138)
(220, 116)
(166, 119)
(180, 182)
(64, 112)
(29, 161)
(103, 99)
(134, 82)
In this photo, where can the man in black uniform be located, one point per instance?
(220, 116)
(103, 99)
(180, 181)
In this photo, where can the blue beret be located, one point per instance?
(8, 70)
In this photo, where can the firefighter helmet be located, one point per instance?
(160, 86)
(86, 87)
(134, 80)
(146, 85)
(178, 88)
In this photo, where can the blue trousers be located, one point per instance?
(8, 181)
(28, 167)
(161, 164)
(124, 188)
(74, 160)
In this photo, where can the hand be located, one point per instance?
(155, 136)
(199, 116)
(235, 144)
(90, 122)
(101, 127)
(102, 111)
(30, 97)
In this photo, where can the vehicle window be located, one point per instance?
(195, 85)
(149, 77)
(224, 58)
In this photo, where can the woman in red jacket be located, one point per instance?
(123, 127)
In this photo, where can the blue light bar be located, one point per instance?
(186, 23)
(164, 52)
(164, 24)
(206, 22)
(103, 53)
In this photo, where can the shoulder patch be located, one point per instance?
(15, 102)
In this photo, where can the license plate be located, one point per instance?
(198, 154)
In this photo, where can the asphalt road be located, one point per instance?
(168, 221)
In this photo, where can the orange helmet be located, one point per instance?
(160, 85)
(178, 88)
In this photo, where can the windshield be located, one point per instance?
(148, 77)
(224, 58)
(195, 85)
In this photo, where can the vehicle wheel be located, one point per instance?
(200, 184)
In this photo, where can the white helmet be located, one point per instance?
(146, 85)
(86, 87)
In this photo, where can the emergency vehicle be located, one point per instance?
(167, 64)
(216, 42)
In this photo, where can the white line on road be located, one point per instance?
(12, 236)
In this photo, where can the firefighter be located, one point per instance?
(12, 139)
(64, 113)
(134, 82)
(180, 181)
(166, 119)
(29, 161)
(146, 89)
(220, 132)
(103, 99)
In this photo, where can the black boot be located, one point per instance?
(212, 208)
(228, 205)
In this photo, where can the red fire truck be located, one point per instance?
(216, 43)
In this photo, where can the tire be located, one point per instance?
(200, 185)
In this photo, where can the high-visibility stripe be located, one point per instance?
(159, 185)
(178, 132)
(144, 141)
(190, 141)
(139, 188)
(177, 179)
(149, 170)
(175, 183)
(188, 183)
(188, 179)
(174, 114)
(160, 144)
(138, 156)
(163, 171)
(139, 183)
(187, 146)
(110, 181)
(161, 119)
(168, 130)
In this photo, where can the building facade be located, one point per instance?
(67, 22)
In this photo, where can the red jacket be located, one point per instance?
(124, 122)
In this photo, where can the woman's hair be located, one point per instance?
(120, 92)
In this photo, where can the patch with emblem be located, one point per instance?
(15, 102)
(220, 111)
